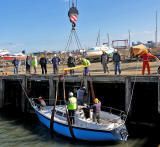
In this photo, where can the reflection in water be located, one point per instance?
(17, 130)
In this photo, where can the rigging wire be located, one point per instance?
(135, 78)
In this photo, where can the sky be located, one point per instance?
(38, 25)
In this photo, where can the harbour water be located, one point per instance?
(25, 130)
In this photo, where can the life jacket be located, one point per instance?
(72, 103)
(85, 62)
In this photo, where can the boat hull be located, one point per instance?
(79, 133)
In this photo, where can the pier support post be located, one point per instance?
(158, 95)
(86, 98)
(127, 93)
(1, 93)
(51, 91)
(24, 85)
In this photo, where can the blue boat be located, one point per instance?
(111, 127)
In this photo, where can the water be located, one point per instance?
(25, 130)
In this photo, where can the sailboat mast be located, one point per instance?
(156, 30)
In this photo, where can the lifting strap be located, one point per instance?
(67, 115)
(92, 89)
(53, 110)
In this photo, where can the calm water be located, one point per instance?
(17, 130)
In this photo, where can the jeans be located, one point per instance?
(16, 69)
(117, 65)
(86, 71)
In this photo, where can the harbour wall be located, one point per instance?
(140, 95)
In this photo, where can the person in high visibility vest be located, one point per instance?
(34, 64)
(72, 106)
(85, 62)
(146, 56)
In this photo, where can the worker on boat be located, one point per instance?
(71, 63)
(104, 61)
(117, 62)
(43, 63)
(96, 110)
(146, 56)
(85, 62)
(42, 103)
(72, 106)
(81, 92)
(55, 62)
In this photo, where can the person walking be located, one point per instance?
(72, 106)
(34, 64)
(80, 95)
(117, 60)
(43, 63)
(28, 65)
(96, 110)
(71, 63)
(146, 56)
(55, 62)
(15, 63)
(104, 61)
(85, 62)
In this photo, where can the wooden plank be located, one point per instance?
(51, 91)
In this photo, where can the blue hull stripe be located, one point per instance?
(80, 133)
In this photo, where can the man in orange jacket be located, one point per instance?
(146, 56)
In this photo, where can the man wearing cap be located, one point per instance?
(96, 110)
(72, 106)
(15, 62)
(55, 62)
(85, 62)
(146, 56)
(117, 60)
(104, 61)
(71, 63)
(42, 103)
(43, 63)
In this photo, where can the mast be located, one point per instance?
(156, 30)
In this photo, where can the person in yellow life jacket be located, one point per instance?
(146, 56)
(85, 62)
(34, 64)
(72, 106)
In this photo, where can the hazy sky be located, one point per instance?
(37, 25)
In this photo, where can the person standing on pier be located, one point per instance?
(28, 65)
(71, 63)
(55, 62)
(34, 64)
(146, 56)
(104, 61)
(43, 63)
(85, 62)
(15, 62)
(117, 60)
